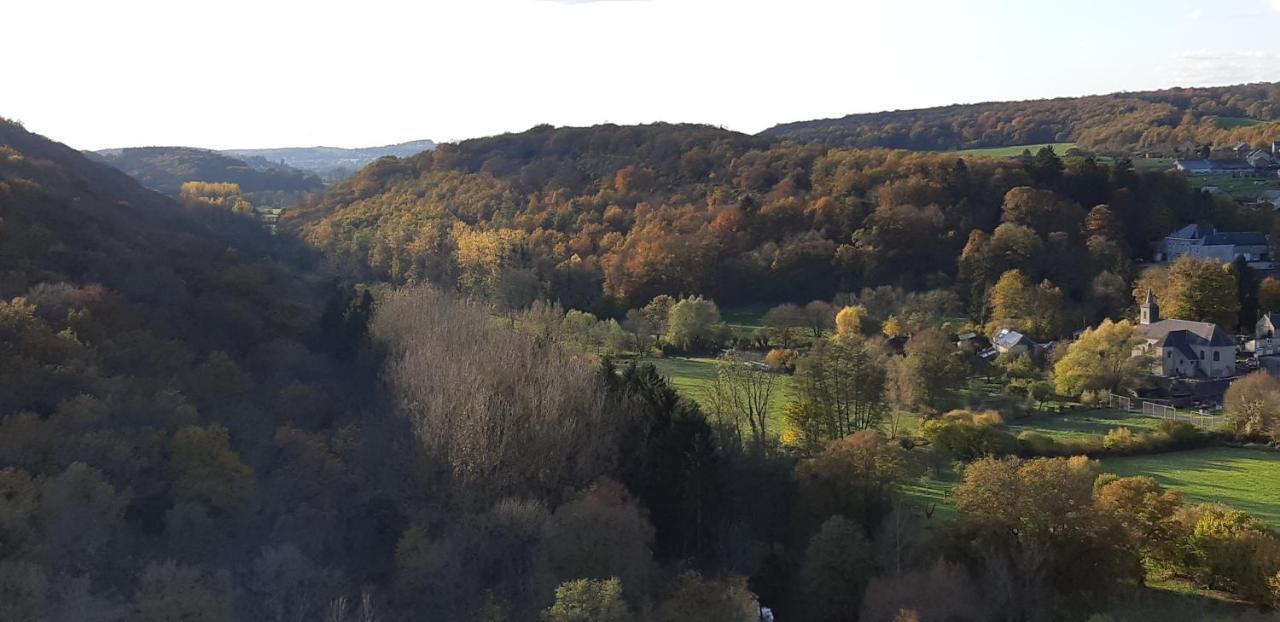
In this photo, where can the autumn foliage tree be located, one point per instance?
(1017, 303)
(1252, 405)
(1193, 289)
(839, 389)
(1102, 358)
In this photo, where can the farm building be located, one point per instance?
(1009, 341)
(1261, 159)
(1232, 166)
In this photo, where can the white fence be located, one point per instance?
(1199, 418)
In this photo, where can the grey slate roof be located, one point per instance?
(1184, 334)
(1007, 338)
(1235, 238)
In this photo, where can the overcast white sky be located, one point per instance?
(268, 73)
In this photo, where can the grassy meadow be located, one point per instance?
(692, 378)
(1247, 479)
(1081, 424)
(1014, 151)
(1231, 123)
(1241, 478)
(1243, 188)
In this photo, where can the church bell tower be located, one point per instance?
(1149, 310)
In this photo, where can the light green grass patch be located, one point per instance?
(1245, 479)
(1081, 424)
(1011, 152)
(1244, 188)
(1230, 123)
(692, 378)
(1152, 164)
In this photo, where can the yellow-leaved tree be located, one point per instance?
(1102, 358)
(849, 320)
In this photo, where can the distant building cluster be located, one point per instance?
(1242, 161)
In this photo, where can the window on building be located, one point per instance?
(1202, 355)
(1217, 356)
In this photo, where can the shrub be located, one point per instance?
(1231, 550)
(781, 359)
(989, 418)
(589, 600)
(1037, 443)
(961, 437)
(1181, 434)
(984, 417)
(1120, 440)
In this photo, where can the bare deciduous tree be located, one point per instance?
(740, 392)
(508, 412)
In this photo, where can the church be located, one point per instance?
(1184, 349)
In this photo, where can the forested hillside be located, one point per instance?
(605, 218)
(162, 380)
(165, 169)
(1166, 122)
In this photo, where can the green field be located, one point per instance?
(1151, 164)
(1009, 152)
(1230, 123)
(1245, 479)
(692, 377)
(1246, 188)
(743, 321)
(1080, 424)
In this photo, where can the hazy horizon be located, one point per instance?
(248, 76)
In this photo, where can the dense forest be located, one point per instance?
(1168, 122)
(165, 169)
(199, 422)
(605, 218)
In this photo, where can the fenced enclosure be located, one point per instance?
(1198, 418)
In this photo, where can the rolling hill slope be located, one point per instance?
(1163, 121)
(165, 169)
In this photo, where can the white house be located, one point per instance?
(1265, 342)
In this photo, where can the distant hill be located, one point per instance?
(1169, 121)
(69, 221)
(331, 163)
(165, 169)
(608, 217)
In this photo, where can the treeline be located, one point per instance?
(1170, 122)
(606, 218)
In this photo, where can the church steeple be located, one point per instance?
(1149, 311)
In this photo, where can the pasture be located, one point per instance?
(1231, 123)
(1081, 424)
(1241, 188)
(692, 377)
(1014, 151)
(1245, 479)
(1240, 478)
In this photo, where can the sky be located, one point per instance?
(275, 73)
